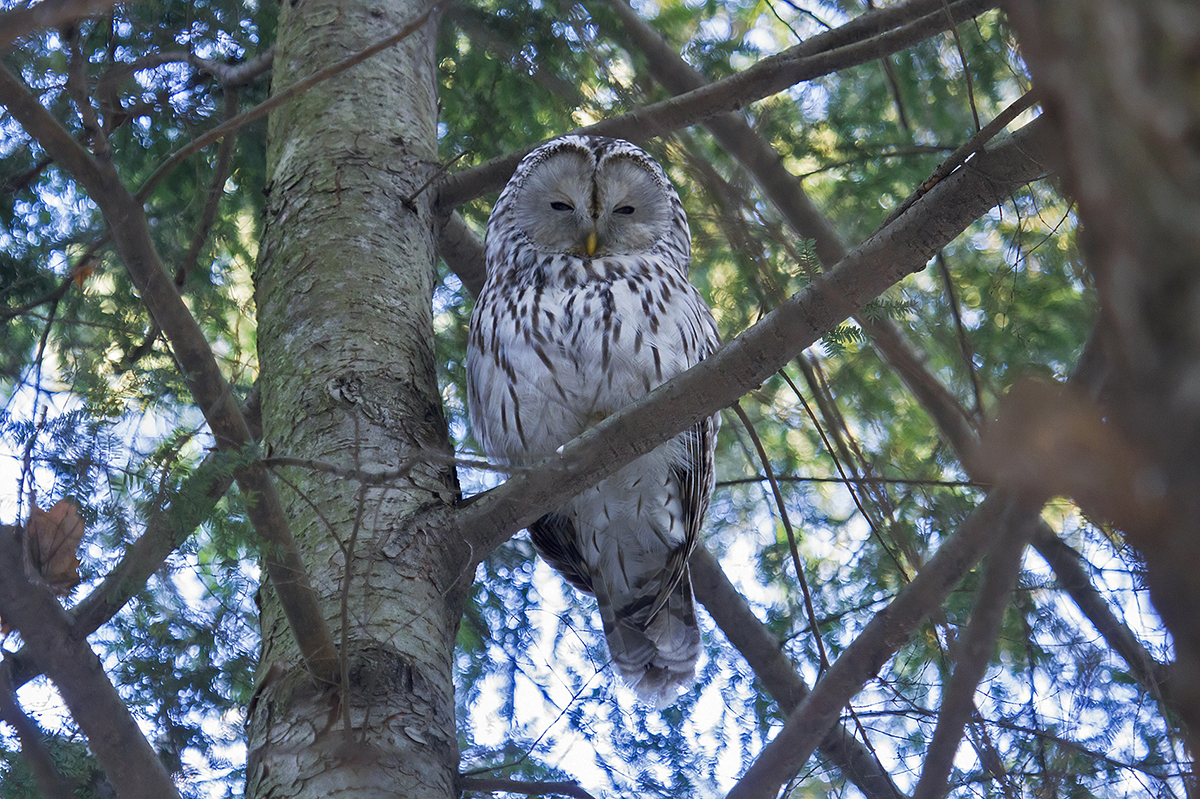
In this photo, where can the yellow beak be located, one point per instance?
(591, 242)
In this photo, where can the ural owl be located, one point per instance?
(586, 308)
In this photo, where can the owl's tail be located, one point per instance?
(654, 640)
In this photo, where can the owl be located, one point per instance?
(587, 307)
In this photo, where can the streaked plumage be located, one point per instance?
(587, 307)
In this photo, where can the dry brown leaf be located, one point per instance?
(82, 273)
(54, 537)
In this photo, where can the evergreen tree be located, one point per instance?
(251, 546)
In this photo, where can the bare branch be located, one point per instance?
(866, 38)
(33, 744)
(879, 640)
(131, 238)
(490, 785)
(463, 253)
(975, 144)
(975, 647)
(778, 676)
(917, 481)
(47, 14)
(113, 734)
(746, 361)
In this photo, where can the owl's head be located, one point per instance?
(592, 197)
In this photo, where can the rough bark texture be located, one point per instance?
(1119, 78)
(344, 288)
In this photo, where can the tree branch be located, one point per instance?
(866, 38)
(787, 195)
(131, 237)
(745, 362)
(786, 754)
(113, 734)
(775, 671)
(975, 647)
(47, 14)
(490, 785)
(33, 744)
(1070, 569)
(166, 530)
(1119, 79)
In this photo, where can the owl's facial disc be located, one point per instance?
(554, 206)
(632, 211)
(570, 205)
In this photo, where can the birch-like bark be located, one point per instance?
(344, 290)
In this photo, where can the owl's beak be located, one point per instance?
(591, 242)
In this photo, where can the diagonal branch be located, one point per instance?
(33, 743)
(47, 14)
(786, 754)
(113, 734)
(748, 360)
(744, 363)
(166, 530)
(863, 39)
(777, 674)
(131, 237)
(787, 195)
(1070, 569)
(975, 646)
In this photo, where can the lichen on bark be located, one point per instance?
(344, 288)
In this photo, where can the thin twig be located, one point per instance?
(787, 528)
(962, 57)
(403, 470)
(409, 200)
(265, 107)
(853, 494)
(784, 478)
(974, 145)
(529, 751)
(964, 343)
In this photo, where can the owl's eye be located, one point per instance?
(624, 209)
(557, 206)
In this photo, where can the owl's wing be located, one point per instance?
(555, 539)
(696, 476)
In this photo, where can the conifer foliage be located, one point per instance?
(249, 545)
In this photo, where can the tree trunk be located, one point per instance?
(1119, 78)
(345, 336)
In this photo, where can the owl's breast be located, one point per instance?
(564, 354)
